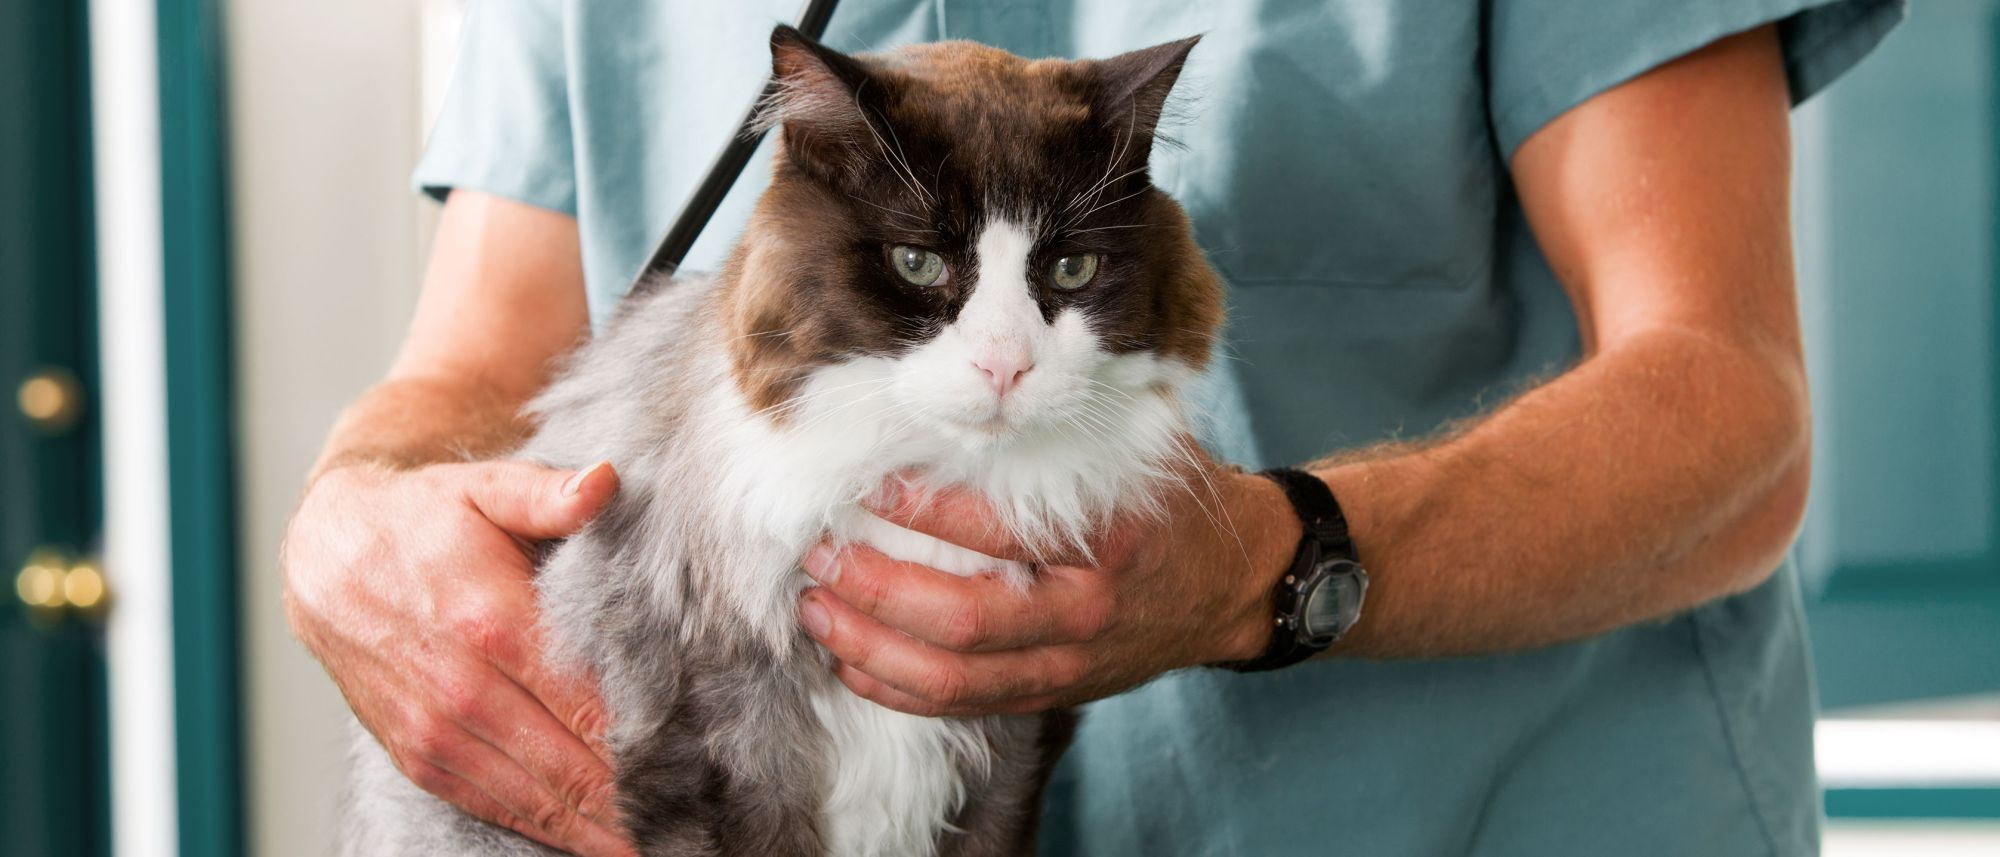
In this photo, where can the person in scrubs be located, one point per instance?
(1513, 278)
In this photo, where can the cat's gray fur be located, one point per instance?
(715, 737)
(679, 605)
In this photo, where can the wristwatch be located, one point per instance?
(1320, 597)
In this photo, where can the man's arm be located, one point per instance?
(405, 570)
(1666, 469)
(1669, 467)
(503, 297)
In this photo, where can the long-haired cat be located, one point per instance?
(961, 275)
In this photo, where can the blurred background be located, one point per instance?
(208, 246)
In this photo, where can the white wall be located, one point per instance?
(125, 113)
(327, 120)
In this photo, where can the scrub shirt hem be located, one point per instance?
(545, 195)
(1838, 46)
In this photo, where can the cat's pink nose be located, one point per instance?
(1004, 369)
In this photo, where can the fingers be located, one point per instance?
(522, 695)
(445, 663)
(575, 703)
(480, 727)
(536, 502)
(950, 515)
(869, 688)
(480, 778)
(507, 717)
(942, 681)
(500, 625)
(966, 614)
(551, 725)
(456, 791)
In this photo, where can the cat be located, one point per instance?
(961, 275)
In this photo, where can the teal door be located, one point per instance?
(53, 765)
(1899, 253)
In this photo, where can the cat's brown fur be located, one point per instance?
(730, 734)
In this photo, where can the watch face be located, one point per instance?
(1335, 602)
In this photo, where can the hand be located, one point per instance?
(1191, 587)
(415, 590)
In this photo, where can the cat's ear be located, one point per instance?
(1133, 87)
(818, 96)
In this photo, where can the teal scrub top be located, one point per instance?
(1345, 165)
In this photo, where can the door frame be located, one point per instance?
(200, 427)
(164, 334)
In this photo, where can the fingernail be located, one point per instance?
(575, 482)
(815, 618)
(820, 565)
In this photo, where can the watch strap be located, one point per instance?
(1324, 535)
(1318, 512)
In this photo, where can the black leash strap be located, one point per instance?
(728, 166)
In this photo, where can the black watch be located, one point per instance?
(1321, 594)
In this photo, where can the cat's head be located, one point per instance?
(971, 238)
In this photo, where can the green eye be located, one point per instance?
(1074, 272)
(918, 266)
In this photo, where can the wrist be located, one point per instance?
(1269, 531)
(343, 465)
(413, 421)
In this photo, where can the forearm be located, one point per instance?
(412, 420)
(1652, 477)
(502, 301)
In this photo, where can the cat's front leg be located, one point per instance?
(1003, 815)
(729, 772)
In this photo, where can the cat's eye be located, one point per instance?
(917, 266)
(1074, 272)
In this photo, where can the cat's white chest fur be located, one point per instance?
(894, 779)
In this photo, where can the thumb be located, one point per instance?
(536, 502)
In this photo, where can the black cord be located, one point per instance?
(728, 166)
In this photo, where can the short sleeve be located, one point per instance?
(1546, 56)
(504, 126)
